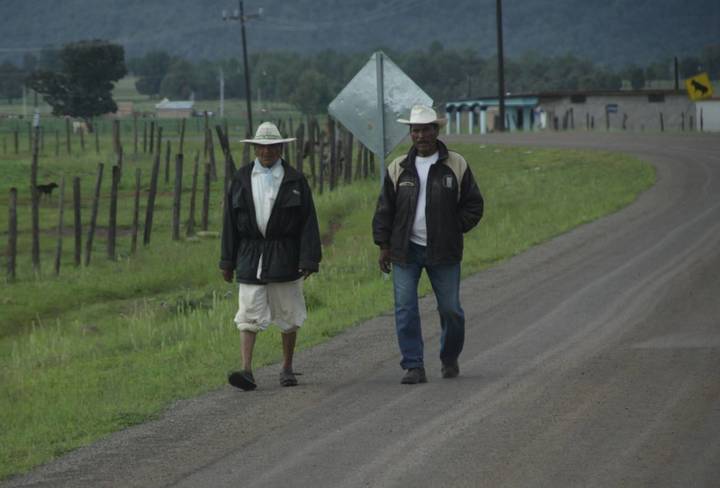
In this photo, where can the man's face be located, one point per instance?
(424, 137)
(268, 154)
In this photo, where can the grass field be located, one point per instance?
(103, 347)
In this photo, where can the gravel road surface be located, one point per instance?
(592, 360)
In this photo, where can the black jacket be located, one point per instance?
(292, 237)
(448, 214)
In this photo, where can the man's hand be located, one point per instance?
(227, 275)
(384, 260)
(305, 273)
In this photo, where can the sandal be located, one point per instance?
(243, 380)
(287, 378)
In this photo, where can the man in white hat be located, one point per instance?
(271, 243)
(429, 199)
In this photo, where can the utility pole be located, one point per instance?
(501, 68)
(240, 15)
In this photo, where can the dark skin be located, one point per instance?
(424, 137)
(266, 155)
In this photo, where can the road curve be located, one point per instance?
(592, 360)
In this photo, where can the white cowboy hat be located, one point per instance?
(422, 114)
(267, 134)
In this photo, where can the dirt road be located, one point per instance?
(592, 360)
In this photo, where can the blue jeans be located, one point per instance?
(445, 281)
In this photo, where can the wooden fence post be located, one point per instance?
(662, 123)
(82, 140)
(358, 161)
(93, 215)
(16, 140)
(112, 220)
(61, 226)
(348, 156)
(176, 197)
(150, 208)
(182, 135)
(35, 194)
(151, 145)
(206, 197)
(12, 235)
(145, 136)
(77, 221)
(136, 212)
(191, 218)
(229, 162)
(332, 153)
(168, 150)
(211, 154)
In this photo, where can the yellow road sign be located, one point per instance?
(699, 87)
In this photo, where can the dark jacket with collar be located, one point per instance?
(292, 237)
(453, 206)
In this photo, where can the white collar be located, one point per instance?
(276, 169)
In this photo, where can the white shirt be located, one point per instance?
(418, 234)
(265, 186)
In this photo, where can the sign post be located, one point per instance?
(380, 113)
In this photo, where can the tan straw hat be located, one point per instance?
(267, 134)
(422, 114)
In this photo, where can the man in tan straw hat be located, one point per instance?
(271, 243)
(429, 199)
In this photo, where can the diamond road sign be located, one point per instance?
(356, 107)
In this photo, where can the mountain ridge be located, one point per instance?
(611, 32)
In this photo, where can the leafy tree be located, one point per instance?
(179, 82)
(151, 69)
(11, 81)
(83, 87)
(312, 93)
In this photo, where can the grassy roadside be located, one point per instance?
(117, 342)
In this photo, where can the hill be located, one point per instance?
(608, 31)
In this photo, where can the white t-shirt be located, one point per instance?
(418, 234)
(265, 186)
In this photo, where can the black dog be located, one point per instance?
(46, 189)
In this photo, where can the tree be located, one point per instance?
(11, 81)
(312, 93)
(179, 82)
(83, 86)
(151, 69)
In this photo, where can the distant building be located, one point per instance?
(125, 109)
(636, 110)
(174, 110)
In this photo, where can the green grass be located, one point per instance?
(111, 345)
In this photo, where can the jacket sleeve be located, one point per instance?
(384, 217)
(310, 248)
(471, 204)
(230, 236)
